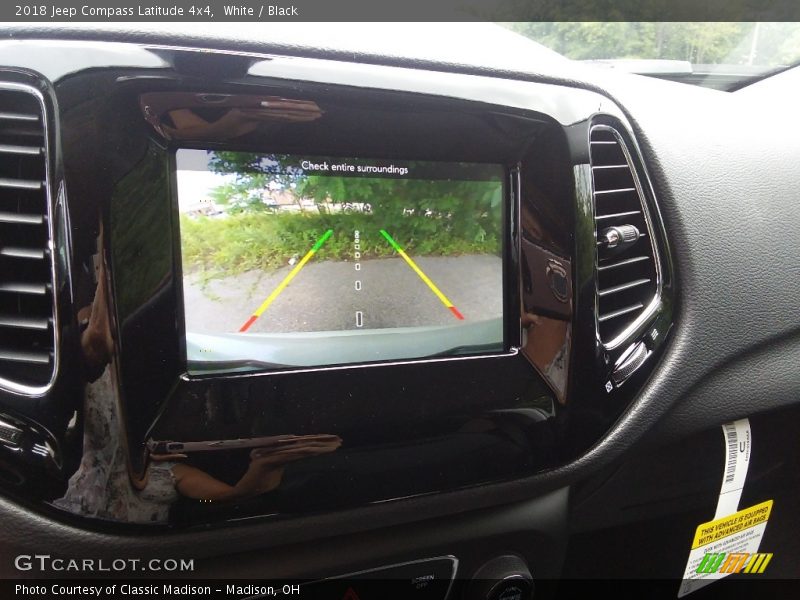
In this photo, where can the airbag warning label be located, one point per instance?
(725, 546)
(719, 529)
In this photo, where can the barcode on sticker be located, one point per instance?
(733, 442)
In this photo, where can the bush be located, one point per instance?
(266, 241)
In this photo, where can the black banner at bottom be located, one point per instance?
(733, 588)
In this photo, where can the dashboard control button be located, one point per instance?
(629, 363)
(502, 578)
(619, 235)
(558, 281)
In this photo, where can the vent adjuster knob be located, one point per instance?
(619, 235)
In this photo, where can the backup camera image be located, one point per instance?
(302, 261)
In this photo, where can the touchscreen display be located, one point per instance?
(303, 261)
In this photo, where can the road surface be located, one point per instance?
(323, 296)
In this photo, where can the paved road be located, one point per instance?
(323, 295)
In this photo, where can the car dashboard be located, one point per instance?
(641, 285)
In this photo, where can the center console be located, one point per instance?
(279, 286)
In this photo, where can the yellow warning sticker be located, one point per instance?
(708, 533)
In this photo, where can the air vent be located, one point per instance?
(27, 330)
(627, 268)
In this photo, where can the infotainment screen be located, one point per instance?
(304, 261)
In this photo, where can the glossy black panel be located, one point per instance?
(313, 439)
(405, 429)
(140, 240)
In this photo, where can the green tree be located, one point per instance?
(242, 195)
(254, 173)
(421, 212)
(698, 43)
(418, 209)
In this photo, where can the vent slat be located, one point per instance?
(39, 358)
(20, 184)
(619, 191)
(620, 312)
(15, 116)
(16, 322)
(20, 150)
(620, 215)
(627, 280)
(33, 289)
(622, 263)
(21, 218)
(622, 287)
(19, 252)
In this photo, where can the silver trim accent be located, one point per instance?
(652, 307)
(8, 384)
(620, 312)
(20, 252)
(622, 287)
(21, 218)
(629, 363)
(20, 184)
(12, 116)
(619, 215)
(619, 234)
(617, 191)
(20, 150)
(37, 358)
(33, 289)
(622, 263)
(14, 322)
(14, 431)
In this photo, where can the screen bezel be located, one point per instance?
(509, 219)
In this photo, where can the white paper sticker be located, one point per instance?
(729, 543)
(725, 546)
(737, 460)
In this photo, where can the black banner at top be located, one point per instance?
(109, 11)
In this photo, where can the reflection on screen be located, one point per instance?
(299, 261)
